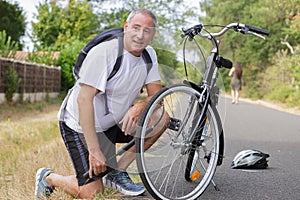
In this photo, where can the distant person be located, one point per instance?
(236, 82)
(100, 113)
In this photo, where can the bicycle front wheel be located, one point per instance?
(173, 162)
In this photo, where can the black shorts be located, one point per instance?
(77, 148)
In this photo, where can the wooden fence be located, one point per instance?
(37, 80)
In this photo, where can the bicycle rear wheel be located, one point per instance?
(174, 166)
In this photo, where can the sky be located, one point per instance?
(29, 7)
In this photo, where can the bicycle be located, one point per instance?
(180, 163)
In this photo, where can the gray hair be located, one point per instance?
(142, 11)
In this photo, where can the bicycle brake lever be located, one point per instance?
(246, 30)
(182, 39)
(190, 33)
(257, 35)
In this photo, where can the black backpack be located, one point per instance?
(105, 36)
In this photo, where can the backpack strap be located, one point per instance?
(147, 59)
(119, 58)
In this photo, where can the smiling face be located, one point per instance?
(139, 32)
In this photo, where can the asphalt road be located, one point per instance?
(252, 126)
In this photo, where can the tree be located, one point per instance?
(12, 20)
(7, 46)
(256, 55)
(247, 12)
(57, 26)
(282, 80)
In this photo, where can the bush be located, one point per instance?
(280, 93)
(67, 58)
(294, 99)
(282, 80)
(12, 83)
(47, 57)
(8, 47)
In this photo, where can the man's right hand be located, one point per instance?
(97, 163)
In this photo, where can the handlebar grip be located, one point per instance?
(258, 30)
(223, 62)
(226, 63)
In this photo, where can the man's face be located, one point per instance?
(138, 33)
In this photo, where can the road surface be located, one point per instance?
(252, 126)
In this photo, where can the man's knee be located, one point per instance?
(161, 119)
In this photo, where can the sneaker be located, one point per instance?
(42, 189)
(121, 181)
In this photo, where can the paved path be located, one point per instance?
(253, 126)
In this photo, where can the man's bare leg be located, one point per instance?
(129, 156)
(69, 184)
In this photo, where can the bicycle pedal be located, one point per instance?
(174, 124)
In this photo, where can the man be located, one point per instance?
(99, 113)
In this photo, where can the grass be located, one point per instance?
(30, 139)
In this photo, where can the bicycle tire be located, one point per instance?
(163, 166)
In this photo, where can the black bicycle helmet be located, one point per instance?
(250, 159)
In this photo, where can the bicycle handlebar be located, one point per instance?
(257, 30)
(239, 27)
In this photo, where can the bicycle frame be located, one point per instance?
(214, 61)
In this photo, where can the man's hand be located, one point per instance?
(132, 116)
(97, 163)
(130, 120)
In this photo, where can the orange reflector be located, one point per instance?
(195, 175)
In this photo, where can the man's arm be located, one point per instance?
(132, 116)
(87, 121)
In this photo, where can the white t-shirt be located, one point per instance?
(120, 91)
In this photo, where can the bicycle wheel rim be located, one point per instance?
(162, 167)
